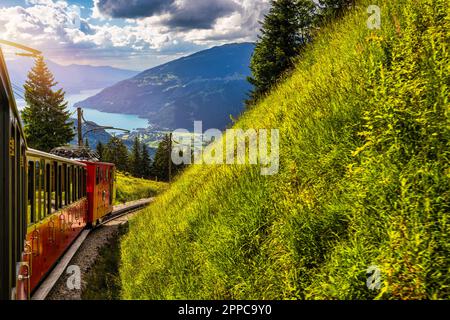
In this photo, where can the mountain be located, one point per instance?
(72, 78)
(151, 137)
(93, 136)
(209, 85)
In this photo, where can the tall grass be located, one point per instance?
(130, 188)
(363, 181)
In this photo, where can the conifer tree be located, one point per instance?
(160, 167)
(286, 28)
(116, 152)
(146, 162)
(46, 118)
(136, 159)
(100, 150)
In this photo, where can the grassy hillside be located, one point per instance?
(130, 188)
(364, 180)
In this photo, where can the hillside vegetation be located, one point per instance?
(363, 181)
(130, 188)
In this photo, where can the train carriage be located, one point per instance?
(45, 201)
(100, 190)
(56, 210)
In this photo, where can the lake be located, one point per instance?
(123, 121)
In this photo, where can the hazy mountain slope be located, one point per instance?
(363, 182)
(209, 85)
(93, 137)
(72, 78)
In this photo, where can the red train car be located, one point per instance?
(100, 190)
(56, 209)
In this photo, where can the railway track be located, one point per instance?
(119, 211)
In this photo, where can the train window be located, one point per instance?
(54, 188)
(74, 184)
(69, 188)
(43, 190)
(77, 177)
(83, 185)
(48, 188)
(37, 190)
(97, 175)
(31, 194)
(83, 182)
(74, 198)
(58, 186)
(63, 185)
(67, 184)
(80, 182)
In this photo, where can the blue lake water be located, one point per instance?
(123, 121)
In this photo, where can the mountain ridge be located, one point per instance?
(73, 78)
(209, 85)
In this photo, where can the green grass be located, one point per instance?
(130, 188)
(364, 179)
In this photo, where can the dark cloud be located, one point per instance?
(200, 14)
(187, 14)
(133, 8)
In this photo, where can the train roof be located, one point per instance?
(98, 163)
(40, 154)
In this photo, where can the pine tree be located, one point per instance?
(286, 28)
(136, 161)
(100, 150)
(146, 162)
(46, 119)
(116, 152)
(86, 143)
(160, 166)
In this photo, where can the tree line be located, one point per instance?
(138, 162)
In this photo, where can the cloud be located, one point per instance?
(170, 28)
(184, 14)
(199, 14)
(130, 8)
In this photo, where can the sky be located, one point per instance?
(130, 34)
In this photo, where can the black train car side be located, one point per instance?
(12, 187)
